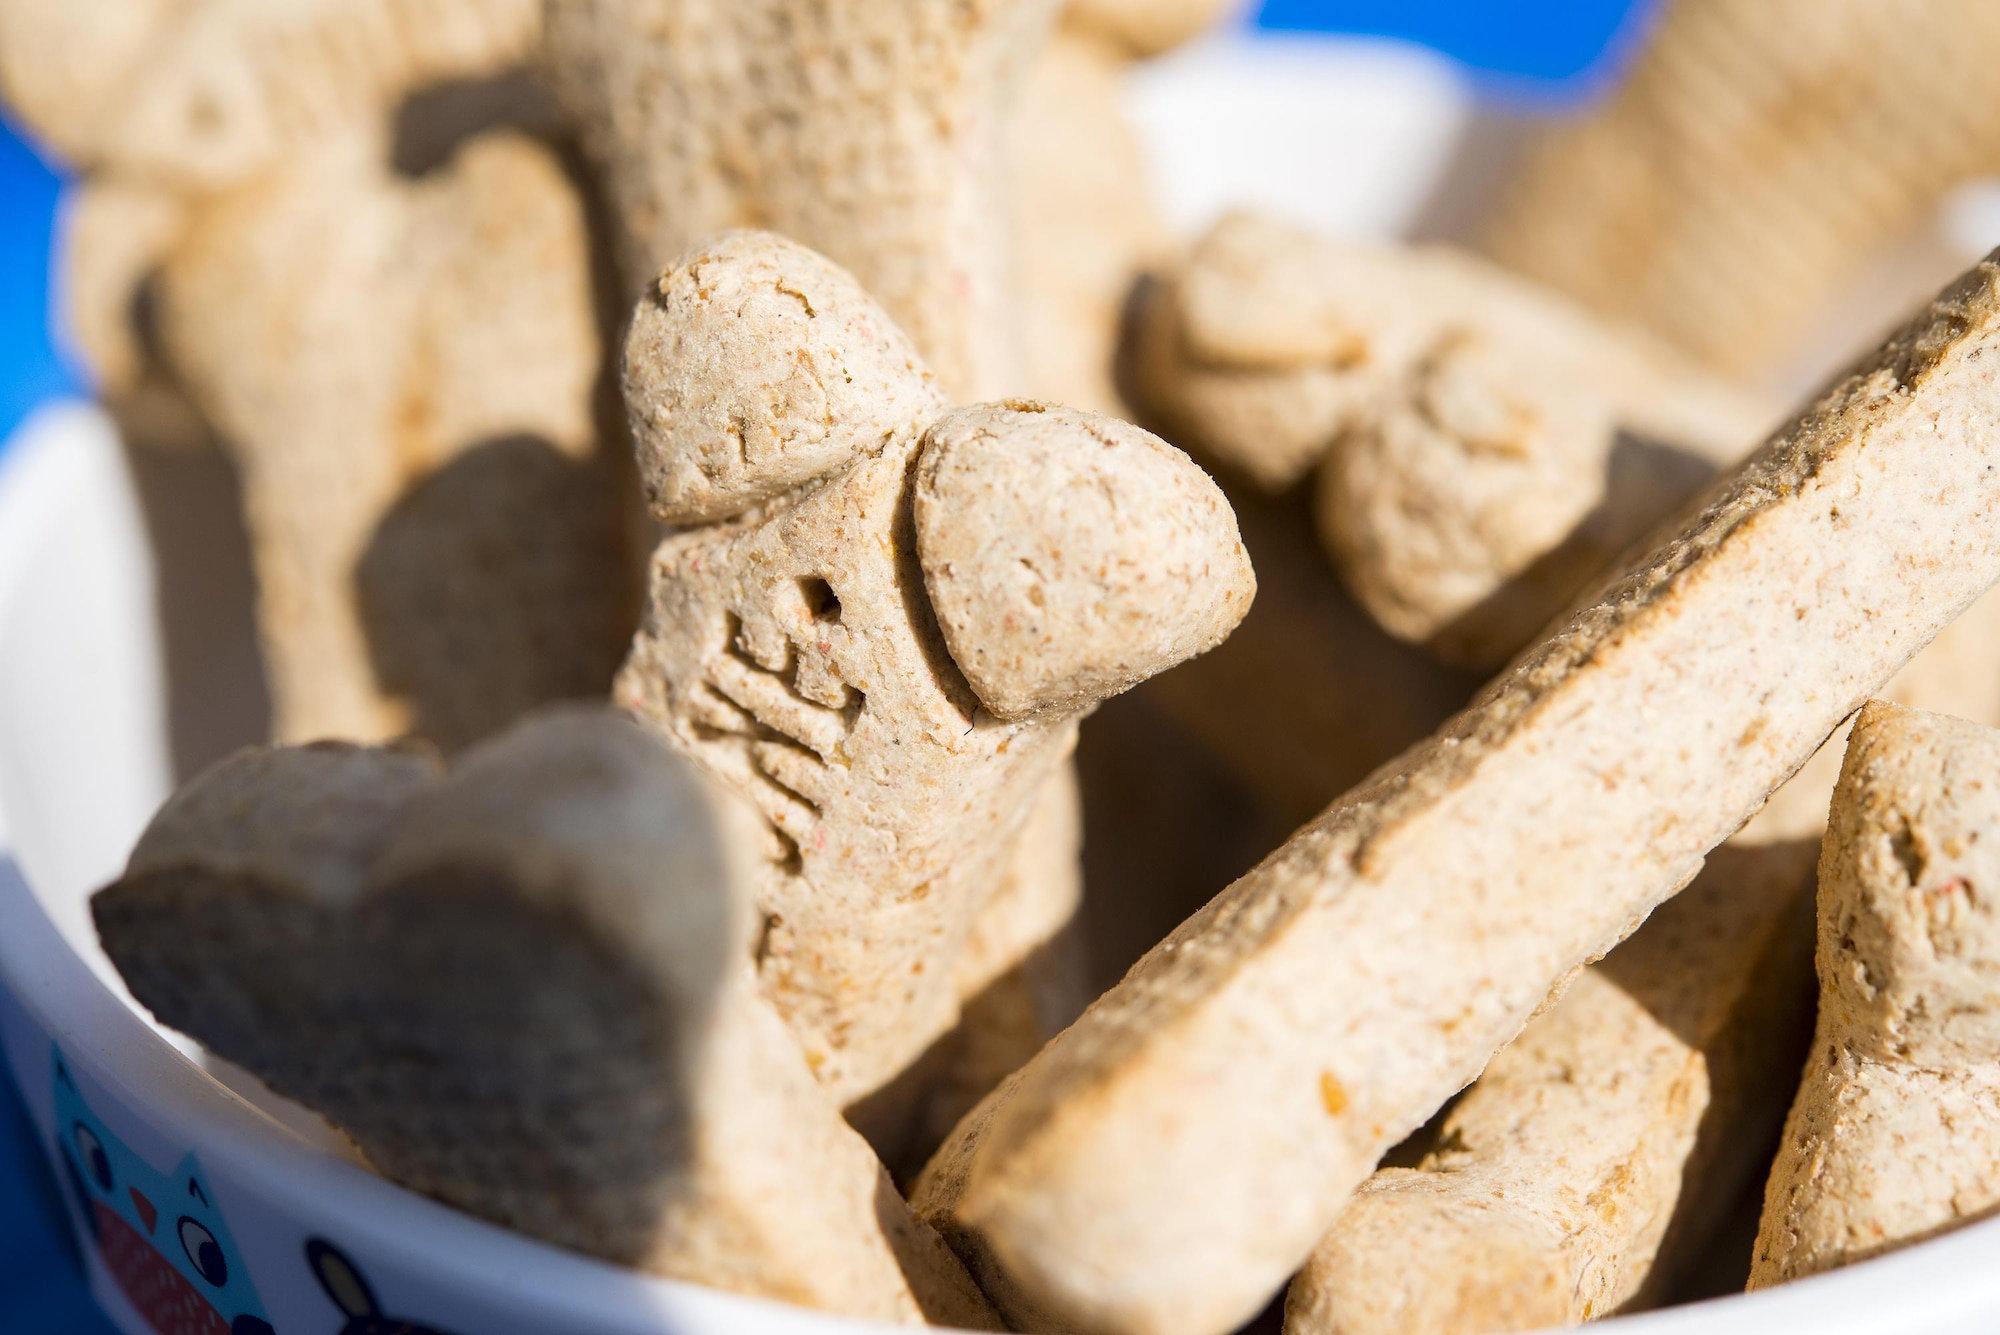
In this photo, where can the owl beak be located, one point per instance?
(148, 1212)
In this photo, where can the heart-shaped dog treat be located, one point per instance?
(521, 988)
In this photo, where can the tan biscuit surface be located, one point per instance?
(1069, 556)
(1079, 197)
(207, 93)
(1895, 1133)
(1758, 157)
(404, 373)
(1168, 1160)
(1600, 1146)
(1487, 447)
(870, 132)
(520, 988)
(1146, 27)
(794, 648)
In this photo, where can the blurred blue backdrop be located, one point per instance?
(1552, 52)
(30, 368)
(1549, 51)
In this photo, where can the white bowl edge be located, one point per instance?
(432, 1263)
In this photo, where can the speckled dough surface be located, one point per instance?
(202, 94)
(870, 132)
(1602, 1145)
(1168, 1160)
(404, 373)
(1895, 1134)
(860, 644)
(520, 988)
(1681, 201)
(1079, 198)
(1487, 448)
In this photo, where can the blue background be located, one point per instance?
(1549, 52)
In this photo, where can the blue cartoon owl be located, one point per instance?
(160, 1235)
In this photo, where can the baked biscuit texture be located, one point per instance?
(1171, 1158)
(520, 987)
(404, 372)
(1895, 1132)
(1757, 159)
(197, 95)
(872, 133)
(1596, 1154)
(888, 657)
(1483, 447)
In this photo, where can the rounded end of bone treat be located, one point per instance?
(752, 365)
(1143, 28)
(1069, 556)
(1459, 515)
(1411, 1255)
(66, 68)
(307, 817)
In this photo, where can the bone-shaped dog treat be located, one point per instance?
(1084, 224)
(404, 371)
(520, 987)
(1487, 447)
(1895, 1133)
(207, 93)
(1676, 203)
(1168, 1160)
(1646, 1096)
(162, 104)
(1142, 28)
(870, 132)
(888, 648)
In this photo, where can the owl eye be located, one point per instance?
(204, 1251)
(94, 1157)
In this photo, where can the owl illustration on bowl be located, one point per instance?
(159, 1235)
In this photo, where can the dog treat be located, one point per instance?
(1758, 157)
(888, 647)
(404, 370)
(1487, 448)
(870, 132)
(209, 93)
(520, 987)
(1144, 28)
(1895, 1133)
(1168, 1160)
(1601, 1146)
(116, 233)
(1084, 226)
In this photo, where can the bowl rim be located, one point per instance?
(45, 982)
(48, 990)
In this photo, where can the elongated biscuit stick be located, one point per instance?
(522, 988)
(1599, 1147)
(1895, 1133)
(1167, 1161)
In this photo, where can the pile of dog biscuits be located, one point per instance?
(669, 844)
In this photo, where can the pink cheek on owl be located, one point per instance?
(163, 1296)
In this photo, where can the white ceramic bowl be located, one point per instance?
(82, 764)
(307, 1242)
